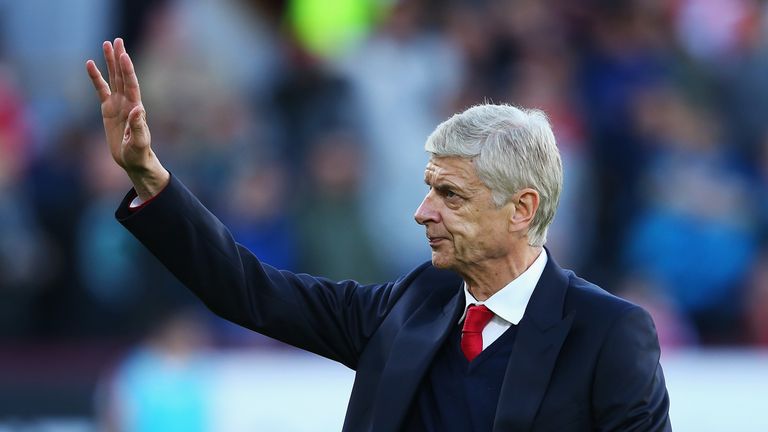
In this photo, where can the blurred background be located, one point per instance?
(301, 124)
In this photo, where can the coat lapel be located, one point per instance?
(412, 352)
(540, 336)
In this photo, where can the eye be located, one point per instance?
(450, 195)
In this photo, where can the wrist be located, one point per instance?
(150, 180)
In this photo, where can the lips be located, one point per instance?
(434, 240)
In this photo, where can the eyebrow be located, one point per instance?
(444, 186)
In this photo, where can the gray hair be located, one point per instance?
(511, 148)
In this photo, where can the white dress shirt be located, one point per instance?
(137, 202)
(509, 303)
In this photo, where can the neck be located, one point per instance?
(486, 279)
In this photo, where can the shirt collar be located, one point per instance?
(509, 303)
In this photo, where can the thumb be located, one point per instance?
(137, 131)
(137, 119)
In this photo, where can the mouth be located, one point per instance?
(434, 241)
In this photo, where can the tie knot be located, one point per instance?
(477, 318)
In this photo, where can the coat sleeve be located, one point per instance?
(629, 392)
(332, 319)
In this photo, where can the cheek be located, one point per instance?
(469, 226)
(466, 235)
(479, 237)
(493, 242)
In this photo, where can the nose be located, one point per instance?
(427, 211)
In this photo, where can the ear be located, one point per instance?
(526, 203)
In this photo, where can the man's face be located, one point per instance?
(464, 227)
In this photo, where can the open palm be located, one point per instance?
(121, 108)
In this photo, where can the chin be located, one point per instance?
(441, 262)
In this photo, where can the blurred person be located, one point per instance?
(23, 244)
(162, 385)
(255, 209)
(58, 212)
(230, 43)
(224, 53)
(403, 77)
(309, 101)
(541, 71)
(742, 77)
(26, 31)
(494, 39)
(695, 232)
(256, 213)
(102, 183)
(545, 80)
(624, 47)
(761, 179)
(432, 352)
(488, 59)
(756, 299)
(106, 256)
(757, 302)
(333, 239)
(15, 125)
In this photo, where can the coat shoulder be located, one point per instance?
(426, 282)
(428, 277)
(592, 301)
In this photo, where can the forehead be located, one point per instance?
(451, 169)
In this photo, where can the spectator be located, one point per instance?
(695, 232)
(404, 77)
(162, 385)
(333, 240)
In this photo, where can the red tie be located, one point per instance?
(472, 333)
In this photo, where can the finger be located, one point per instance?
(130, 81)
(101, 86)
(109, 58)
(119, 50)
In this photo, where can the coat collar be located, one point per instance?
(412, 352)
(540, 337)
(545, 309)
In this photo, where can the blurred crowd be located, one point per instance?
(301, 124)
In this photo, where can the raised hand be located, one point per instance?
(125, 120)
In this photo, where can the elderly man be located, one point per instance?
(492, 335)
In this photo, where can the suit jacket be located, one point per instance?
(582, 359)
